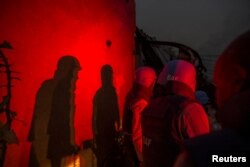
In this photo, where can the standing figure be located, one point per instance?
(136, 100)
(60, 125)
(106, 119)
(38, 133)
(171, 118)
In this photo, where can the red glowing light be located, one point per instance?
(96, 32)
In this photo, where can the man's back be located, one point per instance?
(166, 124)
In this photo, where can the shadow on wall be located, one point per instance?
(51, 132)
(105, 118)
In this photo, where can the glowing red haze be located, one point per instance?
(96, 32)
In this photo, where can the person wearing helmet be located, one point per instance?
(229, 146)
(136, 100)
(170, 119)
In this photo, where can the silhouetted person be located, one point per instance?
(54, 112)
(106, 118)
(231, 145)
(136, 100)
(38, 135)
(171, 118)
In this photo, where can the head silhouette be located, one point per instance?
(66, 66)
(145, 76)
(232, 69)
(107, 75)
(232, 76)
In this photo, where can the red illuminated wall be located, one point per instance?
(41, 31)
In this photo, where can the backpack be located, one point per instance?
(163, 130)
